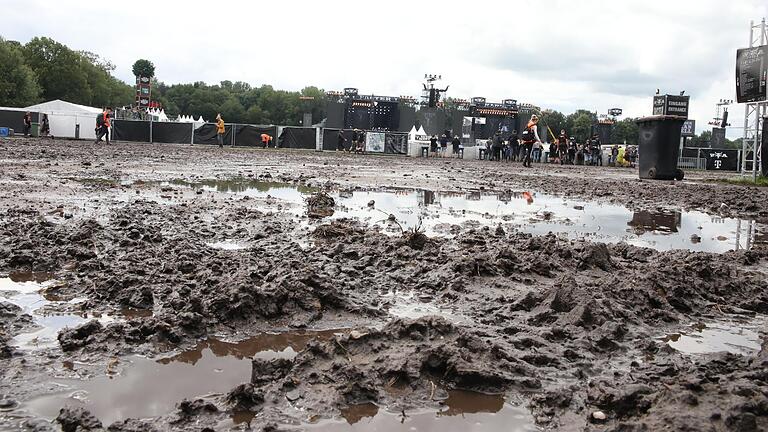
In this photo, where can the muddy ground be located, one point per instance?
(572, 331)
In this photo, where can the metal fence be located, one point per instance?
(692, 163)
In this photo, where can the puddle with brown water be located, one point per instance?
(461, 411)
(146, 388)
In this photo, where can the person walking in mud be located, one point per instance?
(433, 145)
(27, 124)
(220, 130)
(355, 137)
(562, 147)
(45, 126)
(529, 137)
(340, 140)
(456, 143)
(102, 125)
(514, 146)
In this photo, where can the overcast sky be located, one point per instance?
(556, 54)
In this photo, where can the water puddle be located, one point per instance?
(439, 213)
(228, 244)
(49, 312)
(252, 188)
(147, 388)
(447, 213)
(412, 306)
(461, 411)
(730, 336)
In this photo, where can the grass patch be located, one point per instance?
(746, 181)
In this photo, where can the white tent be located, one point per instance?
(412, 134)
(64, 117)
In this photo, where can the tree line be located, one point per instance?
(43, 70)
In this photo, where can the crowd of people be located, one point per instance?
(356, 143)
(528, 147)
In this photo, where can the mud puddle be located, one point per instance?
(228, 244)
(461, 411)
(731, 336)
(50, 314)
(411, 305)
(438, 212)
(251, 188)
(144, 387)
(446, 213)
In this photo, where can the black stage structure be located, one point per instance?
(603, 128)
(487, 118)
(351, 110)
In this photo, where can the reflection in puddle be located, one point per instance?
(26, 290)
(438, 213)
(729, 336)
(462, 411)
(252, 188)
(661, 222)
(264, 345)
(147, 387)
(407, 305)
(353, 414)
(444, 213)
(228, 245)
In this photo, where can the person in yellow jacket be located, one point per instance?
(220, 130)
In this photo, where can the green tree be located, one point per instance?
(625, 130)
(143, 68)
(58, 70)
(701, 140)
(18, 83)
(555, 120)
(580, 124)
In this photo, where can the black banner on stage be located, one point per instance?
(206, 134)
(721, 160)
(172, 133)
(130, 130)
(751, 74)
(396, 143)
(298, 138)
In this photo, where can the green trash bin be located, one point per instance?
(659, 147)
(35, 129)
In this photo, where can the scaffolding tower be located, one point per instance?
(753, 112)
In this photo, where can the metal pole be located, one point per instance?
(745, 143)
(192, 137)
(760, 113)
(150, 129)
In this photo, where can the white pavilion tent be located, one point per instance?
(64, 117)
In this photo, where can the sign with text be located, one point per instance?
(671, 105)
(374, 142)
(751, 74)
(688, 129)
(722, 160)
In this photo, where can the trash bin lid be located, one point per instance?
(661, 118)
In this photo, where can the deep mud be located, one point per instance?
(187, 288)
